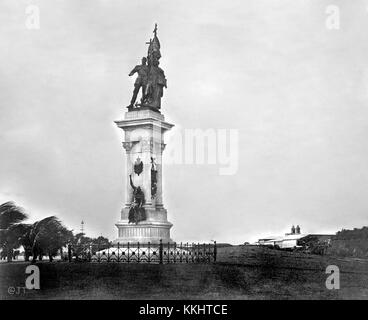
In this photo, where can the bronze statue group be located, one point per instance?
(151, 78)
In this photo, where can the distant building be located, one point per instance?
(293, 240)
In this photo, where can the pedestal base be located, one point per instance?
(144, 130)
(143, 232)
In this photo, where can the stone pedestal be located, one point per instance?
(143, 131)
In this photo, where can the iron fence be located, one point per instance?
(137, 252)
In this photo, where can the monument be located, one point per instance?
(143, 217)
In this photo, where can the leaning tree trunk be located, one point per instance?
(10, 255)
(34, 254)
(27, 253)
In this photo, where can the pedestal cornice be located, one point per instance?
(143, 118)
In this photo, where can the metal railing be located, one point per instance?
(137, 252)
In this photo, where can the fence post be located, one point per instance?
(174, 252)
(204, 253)
(69, 253)
(149, 252)
(128, 253)
(193, 252)
(214, 252)
(168, 252)
(160, 251)
(198, 248)
(187, 254)
(108, 252)
(118, 252)
(181, 252)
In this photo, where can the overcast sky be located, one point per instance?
(295, 91)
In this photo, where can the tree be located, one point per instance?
(101, 243)
(84, 246)
(25, 240)
(81, 246)
(47, 236)
(10, 227)
(352, 243)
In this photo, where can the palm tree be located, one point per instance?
(24, 231)
(10, 217)
(47, 236)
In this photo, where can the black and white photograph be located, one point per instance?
(190, 151)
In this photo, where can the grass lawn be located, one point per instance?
(240, 273)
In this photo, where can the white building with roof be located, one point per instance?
(292, 240)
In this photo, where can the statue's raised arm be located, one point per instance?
(131, 183)
(136, 68)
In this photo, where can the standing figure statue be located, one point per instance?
(137, 212)
(140, 82)
(155, 87)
